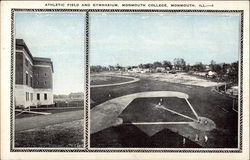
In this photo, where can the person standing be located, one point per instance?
(196, 138)
(206, 138)
(184, 141)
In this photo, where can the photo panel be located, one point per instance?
(167, 80)
(48, 79)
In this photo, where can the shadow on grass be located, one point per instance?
(131, 136)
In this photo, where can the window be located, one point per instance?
(31, 81)
(45, 74)
(37, 82)
(45, 83)
(27, 96)
(38, 96)
(26, 62)
(31, 96)
(27, 78)
(45, 96)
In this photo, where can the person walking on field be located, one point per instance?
(206, 138)
(184, 141)
(196, 137)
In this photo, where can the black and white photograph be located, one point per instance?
(164, 80)
(49, 78)
(124, 80)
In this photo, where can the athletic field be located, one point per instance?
(147, 113)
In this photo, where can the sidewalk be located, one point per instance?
(45, 120)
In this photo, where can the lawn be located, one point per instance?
(68, 134)
(206, 103)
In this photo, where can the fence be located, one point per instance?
(235, 105)
(73, 103)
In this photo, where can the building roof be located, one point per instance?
(20, 42)
(43, 61)
(36, 60)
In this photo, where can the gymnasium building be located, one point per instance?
(33, 78)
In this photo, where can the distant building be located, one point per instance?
(211, 74)
(78, 95)
(207, 68)
(135, 70)
(160, 69)
(33, 78)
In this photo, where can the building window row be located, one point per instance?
(37, 75)
(38, 96)
(45, 82)
(29, 96)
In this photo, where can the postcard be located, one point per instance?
(124, 79)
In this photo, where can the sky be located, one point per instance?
(125, 39)
(59, 36)
(134, 38)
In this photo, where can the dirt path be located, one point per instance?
(115, 84)
(45, 120)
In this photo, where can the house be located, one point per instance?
(135, 70)
(211, 74)
(146, 70)
(160, 69)
(33, 78)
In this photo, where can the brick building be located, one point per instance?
(33, 78)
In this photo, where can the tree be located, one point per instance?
(141, 66)
(217, 68)
(148, 65)
(179, 63)
(157, 64)
(233, 73)
(199, 66)
(111, 68)
(188, 68)
(166, 64)
(212, 65)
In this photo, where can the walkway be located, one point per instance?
(45, 120)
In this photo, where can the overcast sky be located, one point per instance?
(131, 39)
(126, 39)
(61, 38)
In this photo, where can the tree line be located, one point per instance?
(178, 64)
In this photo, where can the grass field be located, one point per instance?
(206, 103)
(68, 134)
(64, 129)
